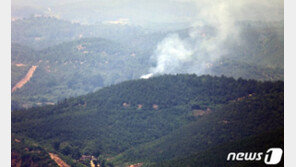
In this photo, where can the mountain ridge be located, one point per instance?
(109, 122)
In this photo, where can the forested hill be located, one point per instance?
(71, 69)
(73, 59)
(171, 116)
(42, 32)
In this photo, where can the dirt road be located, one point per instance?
(26, 79)
(58, 160)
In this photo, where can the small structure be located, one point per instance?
(198, 113)
(140, 106)
(225, 122)
(155, 106)
(125, 104)
(136, 165)
(201, 112)
(85, 158)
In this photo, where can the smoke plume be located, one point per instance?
(215, 25)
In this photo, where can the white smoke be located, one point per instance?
(171, 53)
(197, 52)
(146, 76)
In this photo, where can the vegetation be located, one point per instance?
(41, 32)
(72, 69)
(86, 104)
(233, 68)
(76, 59)
(25, 152)
(157, 119)
(216, 156)
(234, 121)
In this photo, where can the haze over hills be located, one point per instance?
(73, 68)
(145, 83)
(40, 32)
(123, 54)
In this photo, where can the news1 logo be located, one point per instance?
(272, 156)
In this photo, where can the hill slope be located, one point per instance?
(169, 116)
(229, 123)
(216, 156)
(69, 66)
(71, 69)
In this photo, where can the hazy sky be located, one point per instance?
(174, 52)
(142, 12)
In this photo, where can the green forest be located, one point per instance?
(85, 103)
(169, 120)
(74, 59)
(146, 83)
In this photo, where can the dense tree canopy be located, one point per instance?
(153, 120)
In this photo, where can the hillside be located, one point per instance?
(29, 153)
(171, 116)
(71, 69)
(231, 122)
(170, 83)
(41, 32)
(239, 68)
(24, 152)
(80, 66)
(216, 156)
(258, 54)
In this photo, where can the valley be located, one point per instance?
(76, 66)
(171, 83)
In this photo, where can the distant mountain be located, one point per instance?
(259, 54)
(78, 99)
(72, 69)
(108, 11)
(41, 32)
(70, 64)
(156, 120)
(241, 69)
(262, 44)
